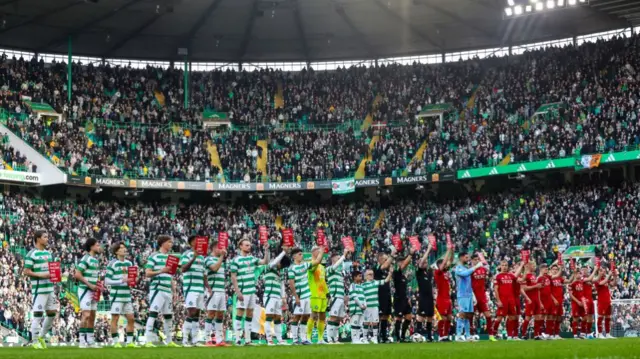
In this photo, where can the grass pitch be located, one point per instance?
(571, 349)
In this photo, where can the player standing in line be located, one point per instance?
(587, 295)
(424, 277)
(120, 294)
(193, 278)
(36, 267)
(576, 290)
(244, 285)
(505, 300)
(357, 306)
(337, 296)
(401, 303)
(603, 281)
(464, 295)
(443, 298)
(319, 289)
(299, 286)
(371, 288)
(87, 274)
(545, 301)
(161, 289)
(557, 297)
(217, 302)
(479, 286)
(275, 297)
(517, 293)
(380, 272)
(531, 289)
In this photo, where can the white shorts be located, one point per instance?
(44, 302)
(371, 315)
(273, 305)
(85, 296)
(356, 320)
(161, 302)
(337, 308)
(121, 308)
(217, 302)
(304, 308)
(249, 302)
(194, 300)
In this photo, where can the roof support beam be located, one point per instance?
(131, 35)
(412, 28)
(486, 33)
(63, 38)
(42, 16)
(248, 30)
(301, 33)
(186, 40)
(363, 40)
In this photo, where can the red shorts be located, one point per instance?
(557, 310)
(531, 309)
(604, 308)
(481, 305)
(576, 310)
(547, 307)
(589, 308)
(444, 306)
(508, 308)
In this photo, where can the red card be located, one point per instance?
(482, 258)
(449, 243)
(172, 264)
(560, 258)
(132, 276)
(55, 275)
(321, 238)
(415, 243)
(598, 260)
(524, 255)
(347, 242)
(202, 245)
(287, 237)
(98, 291)
(223, 241)
(432, 241)
(572, 264)
(395, 239)
(263, 234)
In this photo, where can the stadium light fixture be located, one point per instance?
(583, 1)
(528, 8)
(560, 3)
(539, 6)
(510, 2)
(508, 11)
(517, 9)
(551, 4)
(572, 2)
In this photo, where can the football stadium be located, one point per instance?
(327, 178)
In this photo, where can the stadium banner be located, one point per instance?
(343, 186)
(579, 252)
(20, 177)
(126, 183)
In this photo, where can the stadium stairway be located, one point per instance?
(278, 223)
(361, 172)
(278, 98)
(506, 160)
(159, 97)
(215, 157)
(262, 160)
(418, 155)
(470, 103)
(368, 121)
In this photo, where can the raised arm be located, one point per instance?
(215, 267)
(267, 255)
(423, 262)
(274, 263)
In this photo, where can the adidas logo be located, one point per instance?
(521, 168)
(610, 158)
(494, 171)
(551, 165)
(466, 174)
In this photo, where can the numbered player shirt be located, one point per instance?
(215, 279)
(545, 291)
(370, 290)
(356, 294)
(192, 278)
(504, 283)
(38, 261)
(88, 267)
(244, 268)
(336, 281)
(162, 281)
(298, 272)
(577, 288)
(478, 282)
(272, 283)
(118, 271)
(557, 288)
(442, 279)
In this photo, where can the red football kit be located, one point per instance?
(504, 283)
(557, 291)
(587, 294)
(443, 300)
(577, 287)
(478, 284)
(516, 293)
(604, 299)
(533, 308)
(545, 294)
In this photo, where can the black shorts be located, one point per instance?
(384, 300)
(401, 306)
(426, 307)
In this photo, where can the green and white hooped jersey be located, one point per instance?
(118, 271)
(161, 282)
(193, 278)
(38, 262)
(216, 280)
(355, 292)
(88, 267)
(335, 278)
(370, 290)
(272, 283)
(298, 272)
(244, 268)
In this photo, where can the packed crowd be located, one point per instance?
(119, 120)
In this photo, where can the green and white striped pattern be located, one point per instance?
(161, 282)
(336, 281)
(193, 278)
(38, 261)
(370, 290)
(298, 272)
(244, 268)
(88, 267)
(215, 279)
(272, 283)
(355, 292)
(118, 271)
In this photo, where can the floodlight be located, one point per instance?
(583, 1)
(551, 4)
(510, 2)
(517, 9)
(572, 2)
(508, 11)
(560, 3)
(539, 6)
(528, 8)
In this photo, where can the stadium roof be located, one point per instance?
(289, 30)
